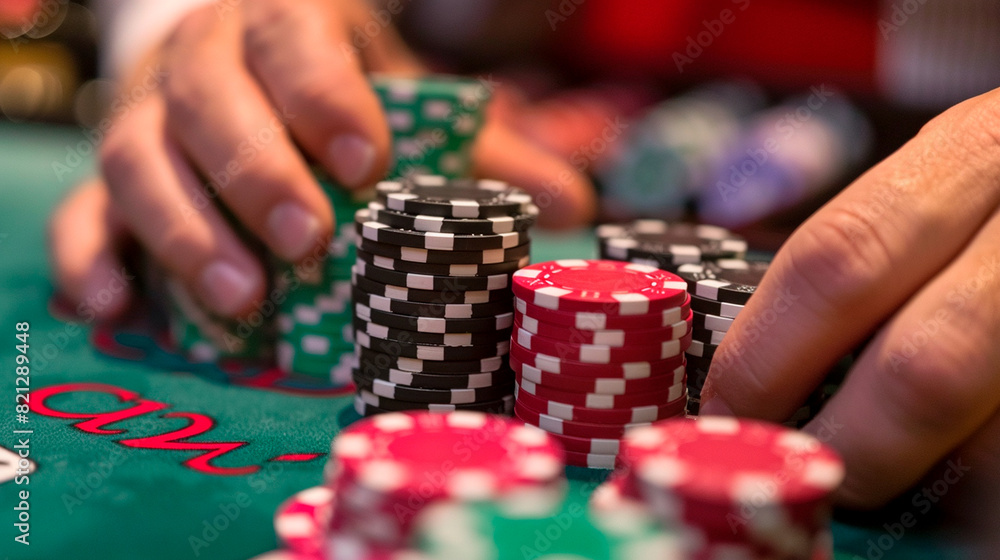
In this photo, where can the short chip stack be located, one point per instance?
(384, 470)
(668, 245)
(733, 488)
(432, 296)
(598, 346)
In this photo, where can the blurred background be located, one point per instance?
(743, 113)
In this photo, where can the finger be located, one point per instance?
(564, 196)
(376, 41)
(303, 56)
(226, 126)
(83, 238)
(856, 261)
(926, 383)
(156, 193)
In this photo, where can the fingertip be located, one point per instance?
(229, 289)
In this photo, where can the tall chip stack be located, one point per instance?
(314, 314)
(598, 347)
(732, 488)
(432, 293)
(433, 121)
(719, 291)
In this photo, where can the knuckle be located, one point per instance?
(932, 387)
(192, 28)
(971, 127)
(838, 255)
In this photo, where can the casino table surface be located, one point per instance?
(197, 465)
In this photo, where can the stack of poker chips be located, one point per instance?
(433, 121)
(432, 297)
(719, 291)
(203, 337)
(668, 245)
(732, 488)
(598, 347)
(383, 471)
(314, 312)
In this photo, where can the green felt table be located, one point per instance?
(227, 454)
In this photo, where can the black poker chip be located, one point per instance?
(507, 267)
(428, 310)
(727, 280)
(668, 245)
(435, 352)
(697, 372)
(489, 256)
(705, 322)
(383, 360)
(441, 297)
(368, 404)
(437, 380)
(431, 282)
(499, 321)
(456, 198)
(467, 226)
(707, 336)
(389, 390)
(367, 228)
(718, 308)
(443, 339)
(699, 349)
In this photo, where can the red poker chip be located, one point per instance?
(598, 353)
(597, 321)
(393, 455)
(577, 429)
(715, 467)
(590, 460)
(626, 415)
(301, 521)
(630, 369)
(610, 287)
(617, 337)
(599, 385)
(597, 401)
(600, 446)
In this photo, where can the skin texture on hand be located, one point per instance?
(224, 113)
(909, 254)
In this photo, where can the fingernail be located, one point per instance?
(351, 158)
(292, 230)
(225, 289)
(715, 407)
